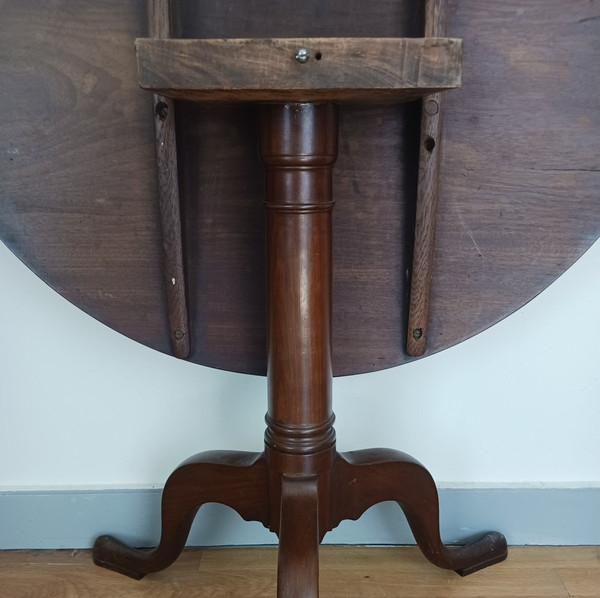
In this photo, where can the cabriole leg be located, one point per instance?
(365, 478)
(235, 479)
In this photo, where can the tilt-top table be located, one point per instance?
(515, 170)
(299, 487)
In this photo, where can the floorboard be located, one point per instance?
(348, 572)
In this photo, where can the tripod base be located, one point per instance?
(299, 487)
(300, 509)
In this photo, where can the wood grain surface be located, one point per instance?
(363, 70)
(358, 572)
(163, 112)
(430, 147)
(519, 188)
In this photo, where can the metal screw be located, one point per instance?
(432, 107)
(418, 333)
(162, 110)
(302, 56)
(179, 334)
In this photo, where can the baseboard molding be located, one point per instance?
(74, 518)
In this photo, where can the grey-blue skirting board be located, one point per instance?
(73, 519)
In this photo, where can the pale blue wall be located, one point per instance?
(83, 407)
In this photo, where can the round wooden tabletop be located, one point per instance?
(519, 195)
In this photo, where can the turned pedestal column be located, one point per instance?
(299, 147)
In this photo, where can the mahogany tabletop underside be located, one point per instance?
(519, 195)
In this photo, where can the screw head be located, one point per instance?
(418, 333)
(302, 56)
(179, 334)
(162, 110)
(432, 107)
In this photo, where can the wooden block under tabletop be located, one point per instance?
(344, 69)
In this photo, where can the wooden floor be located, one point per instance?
(351, 572)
